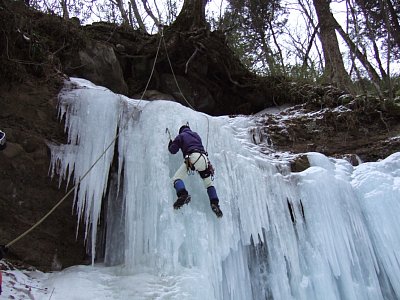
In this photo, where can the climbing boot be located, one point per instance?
(215, 208)
(183, 198)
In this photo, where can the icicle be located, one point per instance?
(329, 232)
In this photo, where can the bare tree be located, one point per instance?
(64, 6)
(138, 18)
(392, 22)
(258, 26)
(361, 57)
(313, 30)
(383, 17)
(334, 71)
(156, 20)
(121, 7)
(369, 33)
(364, 16)
(171, 11)
(278, 47)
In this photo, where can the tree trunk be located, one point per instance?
(394, 26)
(312, 39)
(124, 15)
(137, 16)
(334, 68)
(278, 47)
(361, 57)
(65, 9)
(150, 13)
(371, 35)
(192, 15)
(307, 53)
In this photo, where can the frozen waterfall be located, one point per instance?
(347, 245)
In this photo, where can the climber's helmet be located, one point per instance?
(183, 127)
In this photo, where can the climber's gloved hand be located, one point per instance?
(170, 142)
(3, 251)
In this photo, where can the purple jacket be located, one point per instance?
(188, 141)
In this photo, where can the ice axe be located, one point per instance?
(169, 133)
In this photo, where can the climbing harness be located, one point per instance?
(189, 166)
(209, 171)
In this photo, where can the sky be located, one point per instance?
(341, 239)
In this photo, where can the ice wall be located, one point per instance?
(346, 246)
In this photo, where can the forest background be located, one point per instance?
(352, 44)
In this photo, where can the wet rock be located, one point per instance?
(28, 193)
(299, 164)
(97, 62)
(353, 159)
(182, 92)
(156, 95)
(12, 150)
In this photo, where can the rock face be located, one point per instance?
(28, 116)
(357, 131)
(98, 63)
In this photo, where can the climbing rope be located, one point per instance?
(113, 141)
(176, 82)
(97, 160)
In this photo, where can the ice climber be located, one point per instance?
(195, 159)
